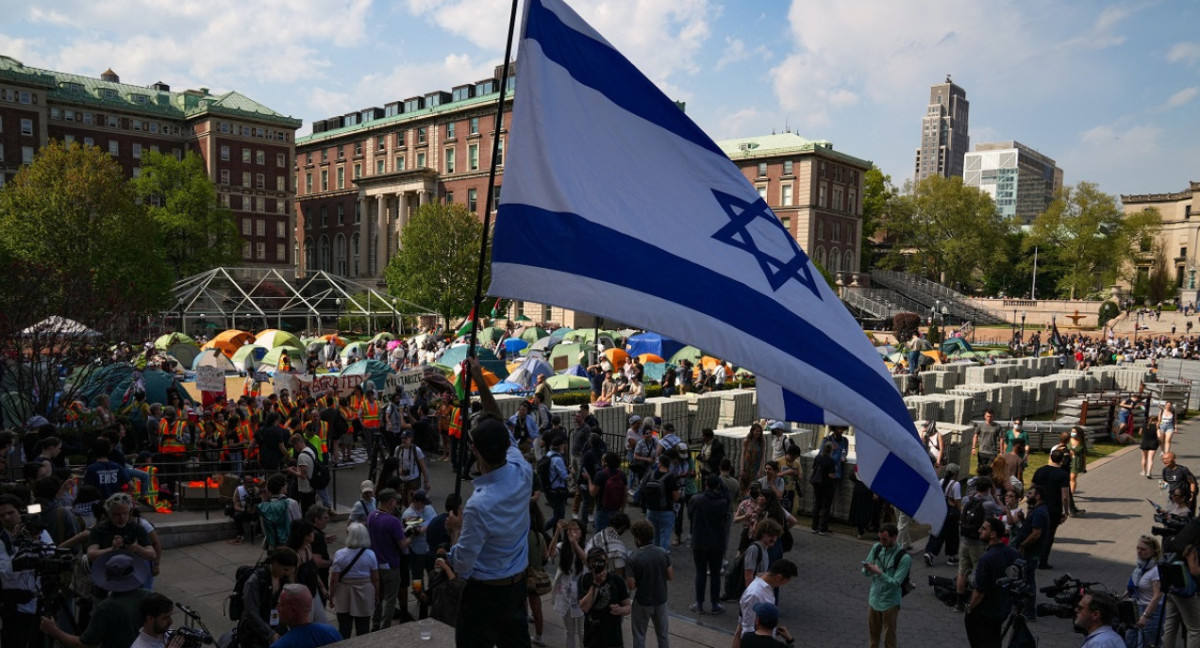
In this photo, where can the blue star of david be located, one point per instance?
(737, 234)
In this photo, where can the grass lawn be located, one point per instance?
(1039, 459)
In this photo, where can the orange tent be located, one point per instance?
(650, 357)
(617, 357)
(230, 341)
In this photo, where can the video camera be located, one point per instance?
(1067, 591)
(1171, 525)
(31, 554)
(188, 635)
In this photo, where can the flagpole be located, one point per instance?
(465, 403)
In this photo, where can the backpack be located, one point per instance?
(972, 518)
(237, 598)
(275, 523)
(612, 495)
(320, 474)
(735, 579)
(651, 494)
(543, 471)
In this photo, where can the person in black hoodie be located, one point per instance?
(709, 515)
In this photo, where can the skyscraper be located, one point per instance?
(944, 139)
(1020, 180)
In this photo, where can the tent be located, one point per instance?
(491, 335)
(271, 359)
(453, 356)
(955, 345)
(165, 342)
(532, 334)
(55, 325)
(184, 352)
(617, 357)
(689, 353)
(239, 358)
(271, 338)
(359, 349)
(576, 370)
(573, 352)
(560, 332)
(213, 357)
(505, 387)
(229, 341)
(562, 382)
(376, 372)
(383, 335)
(114, 380)
(526, 375)
(513, 345)
(663, 347)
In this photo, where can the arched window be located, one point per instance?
(310, 255)
(835, 260)
(819, 257)
(339, 254)
(323, 255)
(848, 262)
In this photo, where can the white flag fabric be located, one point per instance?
(615, 203)
(775, 402)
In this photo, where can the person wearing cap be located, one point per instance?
(604, 599)
(762, 590)
(365, 504)
(411, 467)
(490, 539)
(416, 517)
(116, 620)
(766, 628)
(778, 440)
(389, 542)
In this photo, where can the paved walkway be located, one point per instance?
(827, 604)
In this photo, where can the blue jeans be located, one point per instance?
(664, 525)
(1144, 637)
(1031, 565)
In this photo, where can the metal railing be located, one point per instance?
(928, 293)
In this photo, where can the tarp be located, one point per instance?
(576, 370)
(663, 347)
(114, 380)
(55, 325)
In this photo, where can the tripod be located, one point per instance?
(1021, 636)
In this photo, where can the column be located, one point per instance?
(381, 235)
(423, 197)
(364, 238)
(401, 215)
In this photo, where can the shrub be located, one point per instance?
(905, 325)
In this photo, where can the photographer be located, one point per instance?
(18, 600)
(604, 599)
(119, 532)
(245, 508)
(990, 603)
(156, 612)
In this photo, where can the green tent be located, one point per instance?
(184, 352)
(239, 356)
(272, 338)
(532, 334)
(560, 382)
(492, 334)
(169, 340)
(689, 353)
(574, 352)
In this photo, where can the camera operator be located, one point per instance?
(990, 602)
(116, 619)
(1094, 616)
(1181, 614)
(245, 507)
(1031, 539)
(156, 612)
(18, 600)
(119, 532)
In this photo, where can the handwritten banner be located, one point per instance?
(210, 379)
(321, 384)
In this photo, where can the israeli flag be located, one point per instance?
(615, 203)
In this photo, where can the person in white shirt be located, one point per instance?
(762, 590)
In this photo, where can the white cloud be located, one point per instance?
(1187, 52)
(1181, 98)
(1102, 34)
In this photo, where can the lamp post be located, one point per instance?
(1014, 324)
(396, 319)
(1022, 327)
(337, 323)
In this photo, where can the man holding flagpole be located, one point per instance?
(582, 113)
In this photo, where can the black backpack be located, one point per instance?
(971, 520)
(320, 473)
(735, 578)
(543, 471)
(651, 493)
(237, 599)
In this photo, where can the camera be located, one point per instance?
(1067, 592)
(1171, 525)
(412, 526)
(191, 637)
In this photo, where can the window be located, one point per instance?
(379, 167)
(450, 130)
(27, 127)
(245, 131)
(450, 160)
(153, 127)
(246, 250)
(324, 155)
(246, 179)
(246, 155)
(137, 151)
(821, 200)
(309, 158)
(281, 206)
(357, 171)
(421, 160)
(357, 213)
(762, 191)
(247, 227)
(114, 121)
(357, 149)
(324, 180)
(224, 153)
(500, 152)
(260, 157)
(280, 159)
(280, 251)
(260, 250)
(837, 233)
(786, 221)
(26, 155)
(449, 197)
(307, 183)
(114, 147)
(820, 230)
(26, 98)
(472, 196)
(261, 227)
(225, 177)
(68, 138)
(324, 216)
(341, 214)
(381, 143)
(787, 167)
(838, 195)
(260, 181)
(55, 113)
(341, 177)
(850, 201)
(87, 118)
(474, 125)
(785, 194)
(400, 138)
(341, 151)
(421, 136)
(473, 157)
(762, 169)
(280, 183)
(400, 163)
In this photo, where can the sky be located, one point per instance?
(1110, 90)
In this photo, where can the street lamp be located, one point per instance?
(396, 319)
(337, 324)
(1014, 324)
(1022, 327)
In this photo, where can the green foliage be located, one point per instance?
(878, 194)
(1085, 240)
(437, 261)
(1108, 310)
(194, 231)
(1010, 270)
(1159, 287)
(947, 231)
(71, 226)
(905, 325)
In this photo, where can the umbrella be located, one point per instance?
(393, 344)
(60, 326)
(521, 318)
(515, 344)
(213, 357)
(271, 338)
(617, 357)
(169, 340)
(492, 334)
(562, 381)
(689, 353)
(376, 372)
(357, 348)
(253, 350)
(649, 357)
(184, 352)
(532, 334)
(339, 341)
(229, 341)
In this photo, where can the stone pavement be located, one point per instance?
(827, 604)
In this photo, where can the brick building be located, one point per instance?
(247, 148)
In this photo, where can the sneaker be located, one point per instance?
(537, 640)
(952, 561)
(698, 608)
(928, 559)
(718, 608)
(815, 532)
(822, 532)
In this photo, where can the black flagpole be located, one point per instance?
(465, 403)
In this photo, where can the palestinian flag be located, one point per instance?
(460, 394)
(466, 327)
(496, 309)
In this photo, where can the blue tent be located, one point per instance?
(505, 387)
(375, 371)
(114, 380)
(513, 345)
(526, 375)
(577, 370)
(654, 371)
(663, 347)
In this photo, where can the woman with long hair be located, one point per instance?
(1166, 426)
(752, 456)
(1149, 446)
(1145, 589)
(566, 549)
(300, 540)
(353, 582)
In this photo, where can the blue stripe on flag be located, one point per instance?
(600, 67)
(656, 272)
(800, 410)
(898, 480)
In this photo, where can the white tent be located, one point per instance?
(55, 325)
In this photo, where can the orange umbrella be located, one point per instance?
(230, 341)
(333, 336)
(617, 357)
(650, 357)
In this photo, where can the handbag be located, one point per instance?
(787, 540)
(537, 581)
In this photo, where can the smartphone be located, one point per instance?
(1156, 506)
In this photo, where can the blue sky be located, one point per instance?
(1110, 90)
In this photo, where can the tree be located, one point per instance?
(194, 231)
(74, 244)
(1085, 238)
(878, 194)
(437, 261)
(946, 230)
